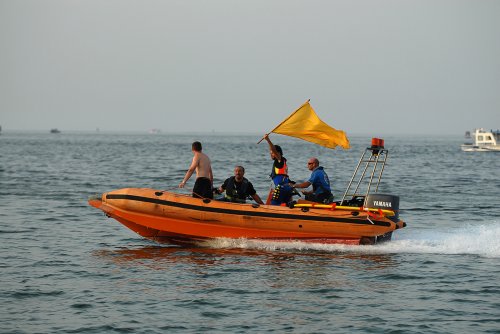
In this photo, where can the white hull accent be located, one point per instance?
(471, 148)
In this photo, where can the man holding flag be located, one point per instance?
(279, 174)
(303, 123)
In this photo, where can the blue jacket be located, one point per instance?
(320, 181)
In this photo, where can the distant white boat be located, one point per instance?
(482, 141)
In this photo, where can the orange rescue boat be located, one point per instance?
(177, 218)
(358, 218)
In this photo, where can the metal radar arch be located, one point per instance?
(367, 175)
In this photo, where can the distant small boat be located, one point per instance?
(482, 141)
(54, 131)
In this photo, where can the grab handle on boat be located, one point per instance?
(160, 192)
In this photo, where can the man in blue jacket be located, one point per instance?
(321, 192)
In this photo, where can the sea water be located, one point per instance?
(67, 268)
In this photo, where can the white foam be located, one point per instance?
(481, 240)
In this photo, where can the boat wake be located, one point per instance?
(480, 240)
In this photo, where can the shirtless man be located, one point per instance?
(204, 177)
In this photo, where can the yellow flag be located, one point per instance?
(305, 124)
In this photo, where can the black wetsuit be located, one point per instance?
(238, 191)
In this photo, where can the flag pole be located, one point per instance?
(286, 119)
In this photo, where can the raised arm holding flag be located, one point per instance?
(303, 123)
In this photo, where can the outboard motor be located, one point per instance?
(388, 202)
(383, 201)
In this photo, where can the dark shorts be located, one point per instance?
(325, 197)
(203, 188)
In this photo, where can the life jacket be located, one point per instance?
(279, 171)
(232, 194)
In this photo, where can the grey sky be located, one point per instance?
(369, 67)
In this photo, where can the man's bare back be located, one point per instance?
(201, 164)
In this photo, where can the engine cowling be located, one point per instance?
(384, 201)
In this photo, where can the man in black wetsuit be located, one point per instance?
(238, 188)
